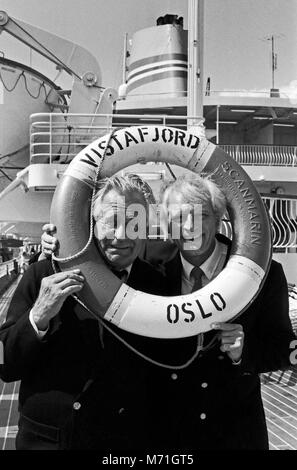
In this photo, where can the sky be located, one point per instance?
(236, 55)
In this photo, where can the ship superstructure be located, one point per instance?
(163, 83)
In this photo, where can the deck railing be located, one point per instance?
(265, 155)
(7, 267)
(58, 137)
(283, 216)
(283, 213)
(287, 95)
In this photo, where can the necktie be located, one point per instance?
(197, 274)
(122, 275)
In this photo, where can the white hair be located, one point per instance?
(124, 185)
(195, 189)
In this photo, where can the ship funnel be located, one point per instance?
(158, 60)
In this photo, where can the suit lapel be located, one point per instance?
(174, 275)
(226, 241)
(143, 276)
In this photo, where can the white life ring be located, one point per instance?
(228, 295)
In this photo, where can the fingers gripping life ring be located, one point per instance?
(228, 295)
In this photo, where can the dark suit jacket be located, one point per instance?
(78, 394)
(233, 399)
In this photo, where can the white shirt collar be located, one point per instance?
(128, 269)
(211, 266)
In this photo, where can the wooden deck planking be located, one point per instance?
(8, 414)
(276, 442)
(8, 391)
(280, 402)
(279, 394)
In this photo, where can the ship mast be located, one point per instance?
(195, 61)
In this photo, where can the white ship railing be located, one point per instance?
(283, 216)
(265, 155)
(283, 213)
(278, 93)
(7, 267)
(58, 137)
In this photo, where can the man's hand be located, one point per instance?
(53, 292)
(231, 336)
(49, 244)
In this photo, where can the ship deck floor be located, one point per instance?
(279, 393)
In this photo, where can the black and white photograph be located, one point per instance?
(148, 229)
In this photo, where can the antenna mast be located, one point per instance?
(195, 60)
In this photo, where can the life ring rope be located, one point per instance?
(86, 246)
(199, 346)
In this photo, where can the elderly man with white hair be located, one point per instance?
(228, 411)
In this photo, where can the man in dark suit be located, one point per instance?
(229, 412)
(82, 389)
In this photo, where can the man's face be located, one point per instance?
(197, 227)
(112, 215)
